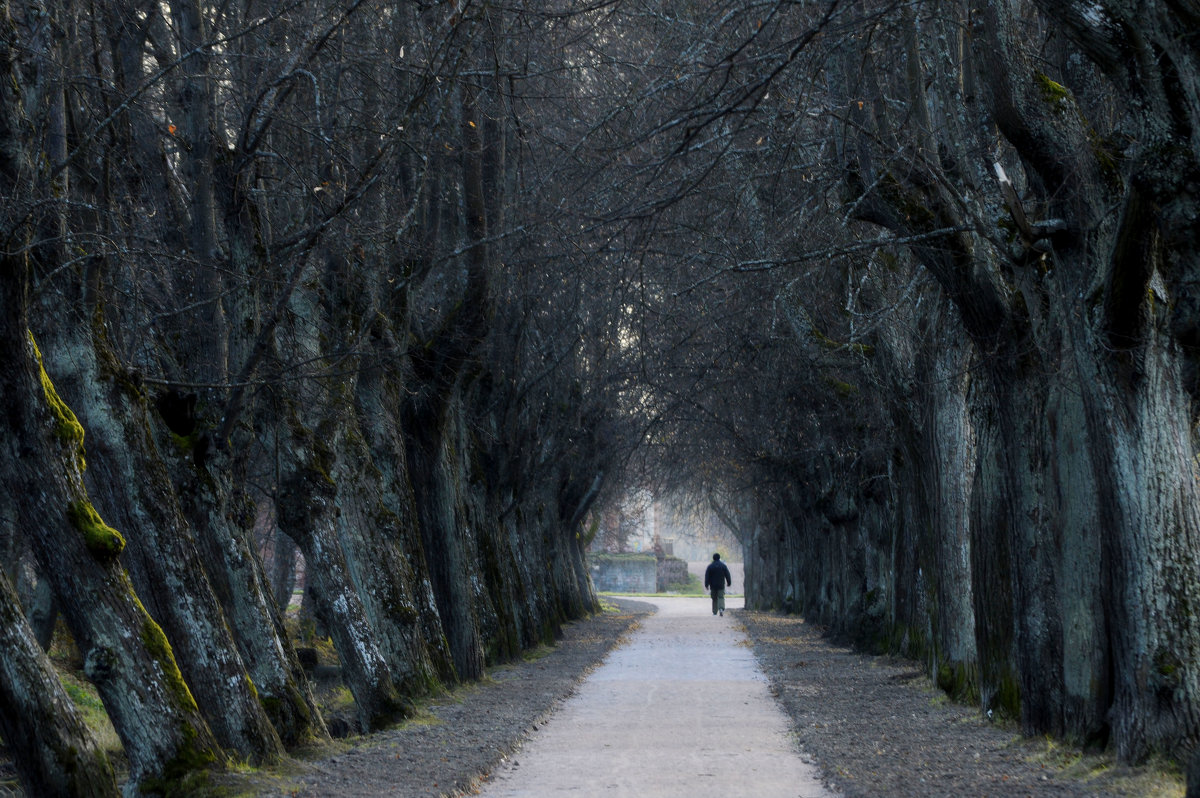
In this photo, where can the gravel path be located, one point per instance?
(682, 708)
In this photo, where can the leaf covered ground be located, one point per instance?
(877, 727)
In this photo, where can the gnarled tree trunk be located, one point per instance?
(1142, 422)
(305, 508)
(131, 489)
(55, 752)
(125, 652)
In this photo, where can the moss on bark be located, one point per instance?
(66, 425)
(101, 539)
(186, 774)
(959, 680)
(156, 643)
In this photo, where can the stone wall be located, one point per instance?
(624, 573)
(672, 574)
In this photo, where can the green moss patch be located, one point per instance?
(66, 425)
(186, 774)
(1053, 92)
(101, 539)
(87, 700)
(156, 643)
(842, 388)
(960, 681)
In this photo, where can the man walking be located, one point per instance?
(716, 579)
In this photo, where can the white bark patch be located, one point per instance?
(1095, 15)
(1158, 286)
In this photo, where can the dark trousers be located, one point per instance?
(718, 597)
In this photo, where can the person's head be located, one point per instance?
(716, 557)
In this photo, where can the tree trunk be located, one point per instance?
(125, 652)
(991, 564)
(376, 519)
(131, 488)
(1076, 502)
(1141, 419)
(945, 455)
(372, 535)
(437, 485)
(53, 749)
(379, 397)
(305, 508)
(340, 609)
(237, 577)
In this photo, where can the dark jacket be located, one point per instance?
(716, 576)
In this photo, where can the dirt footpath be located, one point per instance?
(681, 709)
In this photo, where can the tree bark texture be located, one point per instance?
(131, 488)
(239, 582)
(385, 558)
(306, 512)
(55, 753)
(125, 652)
(438, 475)
(1141, 416)
(379, 399)
(949, 447)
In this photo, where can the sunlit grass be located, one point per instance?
(91, 708)
(539, 651)
(1158, 778)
